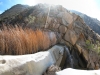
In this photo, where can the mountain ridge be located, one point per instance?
(93, 23)
(16, 9)
(10, 13)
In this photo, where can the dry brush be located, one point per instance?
(18, 41)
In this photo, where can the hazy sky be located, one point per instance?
(89, 7)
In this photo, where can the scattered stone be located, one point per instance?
(51, 70)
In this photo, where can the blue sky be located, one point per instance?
(89, 7)
(6, 4)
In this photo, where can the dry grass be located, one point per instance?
(18, 41)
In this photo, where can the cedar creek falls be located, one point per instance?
(47, 40)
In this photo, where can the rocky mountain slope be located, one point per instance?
(70, 30)
(12, 12)
(93, 23)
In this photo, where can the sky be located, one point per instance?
(88, 7)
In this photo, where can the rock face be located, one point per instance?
(69, 28)
(30, 64)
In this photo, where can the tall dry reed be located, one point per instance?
(18, 41)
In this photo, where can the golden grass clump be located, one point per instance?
(18, 41)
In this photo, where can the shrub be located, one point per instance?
(30, 19)
(18, 41)
(94, 47)
(89, 44)
(97, 47)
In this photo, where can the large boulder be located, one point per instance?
(66, 17)
(30, 64)
(62, 29)
(71, 37)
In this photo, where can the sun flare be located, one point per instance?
(30, 2)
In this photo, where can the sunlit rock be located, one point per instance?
(32, 64)
(70, 71)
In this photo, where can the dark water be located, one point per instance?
(69, 60)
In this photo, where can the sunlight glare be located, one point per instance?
(84, 6)
(30, 2)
